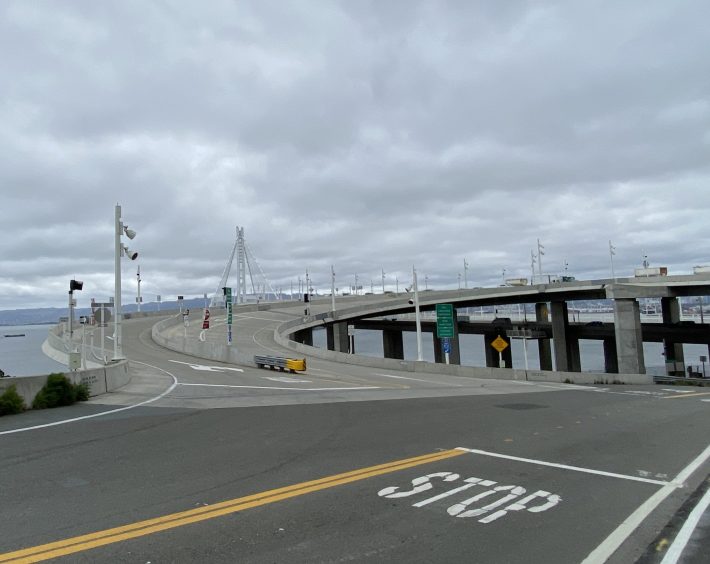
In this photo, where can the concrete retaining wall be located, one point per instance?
(207, 350)
(100, 381)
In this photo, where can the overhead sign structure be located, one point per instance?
(444, 321)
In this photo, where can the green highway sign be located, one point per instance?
(444, 321)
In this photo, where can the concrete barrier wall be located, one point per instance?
(100, 381)
(284, 331)
(220, 352)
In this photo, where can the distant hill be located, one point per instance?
(50, 315)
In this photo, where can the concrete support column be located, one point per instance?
(392, 343)
(675, 358)
(566, 352)
(574, 356)
(337, 336)
(629, 340)
(544, 349)
(304, 336)
(492, 356)
(611, 363)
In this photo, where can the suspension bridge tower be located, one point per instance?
(249, 269)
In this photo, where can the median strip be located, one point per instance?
(171, 521)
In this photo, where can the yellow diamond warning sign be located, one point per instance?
(499, 344)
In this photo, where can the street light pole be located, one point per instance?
(138, 299)
(465, 274)
(119, 250)
(612, 252)
(417, 314)
(117, 349)
(332, 287)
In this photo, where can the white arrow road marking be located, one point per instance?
(204, 368)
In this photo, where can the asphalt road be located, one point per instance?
(346, 464)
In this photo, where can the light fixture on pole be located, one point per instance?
(119, 250)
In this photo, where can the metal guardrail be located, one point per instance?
(283, 364)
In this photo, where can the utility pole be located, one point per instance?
(612, 252)
(532, 265)
(540, 253)
(465, 274)
(138, 299)
(383, 281)
(332, 287)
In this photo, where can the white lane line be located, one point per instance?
(566, 467)
(678, 391)
(245, 316)
(415, 379)
(64, 421)
(629, 525)
(680, 542)
(287, 389)
(263, 346)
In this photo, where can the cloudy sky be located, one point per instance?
(365, 134)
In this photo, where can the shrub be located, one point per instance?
(82, 391)
(59, 391)
(11, 402)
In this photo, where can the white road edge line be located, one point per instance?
(64, 421)
(566, 467)
(275, 388)
(414, 379)
(681, 540)
(623, 531)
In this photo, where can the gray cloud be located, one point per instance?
(366, 135)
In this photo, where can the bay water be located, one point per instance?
(22, 355)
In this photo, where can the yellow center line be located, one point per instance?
(694, 395)
(173, 520)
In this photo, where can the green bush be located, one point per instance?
(59, 391)
(11, 402)
(82, 391)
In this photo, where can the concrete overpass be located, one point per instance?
(623, 341)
